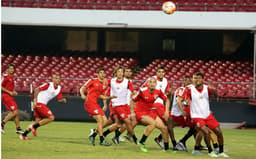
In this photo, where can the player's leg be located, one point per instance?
(163, 128)
(17, 123)
(182, 142)
(214, 140)
(128, 125)
(150, 125)
(219, 134)
(28, 130)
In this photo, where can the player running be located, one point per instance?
(8, 100)
(42, 95)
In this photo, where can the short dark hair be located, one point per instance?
(128, 68)
(11, 65)
(100, 69)
(160, 68)
(186, 77)
(199, 74)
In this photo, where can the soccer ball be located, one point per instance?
(169, 7)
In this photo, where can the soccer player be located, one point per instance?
(7, 97)
(120, 87)
(181, 115)
(146, 116)
(95, 88)
(42, 95)
(201, 114)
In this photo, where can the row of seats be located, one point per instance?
(232, 78)
(188, 5)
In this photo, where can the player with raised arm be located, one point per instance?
(42, 95)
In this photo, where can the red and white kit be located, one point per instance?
(144, 102)
(47, 92)
(200, 107)
(8, 100)
(121, 90)
(95, 88)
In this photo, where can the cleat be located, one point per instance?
(105, 143)
(115, 140)
(91, 132)
(92, 140)
(223, 155)
(143, 147)
(33, 130)
(22, 137)
(203, 148)
(217, 150)
(2, 129)
(159, 142)
(128, 137)
(196, 152)
(170, 150)
(181, 147)
(121, 139)
(212, 154)
(19, 131)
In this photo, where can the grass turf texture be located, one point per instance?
(65, 140)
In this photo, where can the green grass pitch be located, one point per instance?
(69, 140)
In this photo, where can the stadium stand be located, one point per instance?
(182, 5)
(232, 78)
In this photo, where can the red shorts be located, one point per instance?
(159, 109)
(210, 121)
(9, 102)
(122, 111)
(93, 109)
(42, 111)
(183, 121)
(146, 113)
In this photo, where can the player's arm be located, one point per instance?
(12, 93)
(211, 89)
(36, 92)
(60, 98)
(106, 97)
(180, 98)
(82, 91)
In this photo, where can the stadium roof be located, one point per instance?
(129, 19)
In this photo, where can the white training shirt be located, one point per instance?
(161, 85)
(119, 89)
(175, 111)
(45, 96)
(199, 106)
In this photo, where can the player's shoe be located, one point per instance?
(216, 150)
(196, 152)
(159, 142)
(33, 130)
(115, 140)
(128, 137)
(92, 140)
(91, 132)
(223, 154)
(19, 131)
(22, 137)
(143, 147)
(2, 130)
(203, 148)
(121, 139)
(105, 143)
(212, 154)
(181, 147)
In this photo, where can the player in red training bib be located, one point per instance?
(7, 98)
(146, 116)
(42, 95)
(94, 89)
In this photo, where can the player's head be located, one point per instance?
(101, 73)
(128, 72)
(151, 82)
(10, 69)
(56, 78)
(119, 72)
(160, 72)
(186, 81)
(198, 79)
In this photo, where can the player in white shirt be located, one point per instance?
(42, 95)
(201, 114)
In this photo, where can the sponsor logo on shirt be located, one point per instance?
(12, 107)
(96, 111)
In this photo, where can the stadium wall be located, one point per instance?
(233, 112)
(128, 19)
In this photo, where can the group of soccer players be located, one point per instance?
(148, 106)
